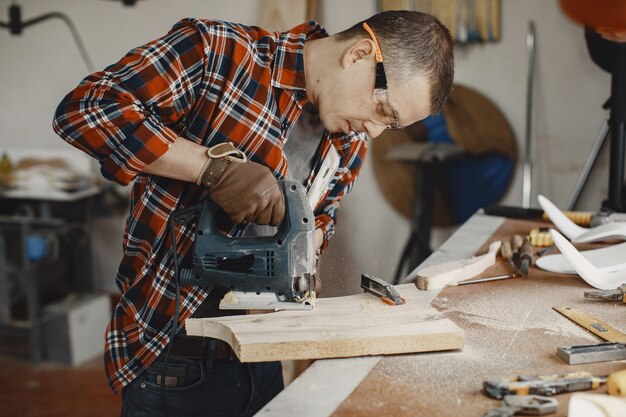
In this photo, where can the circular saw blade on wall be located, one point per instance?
(478, 127)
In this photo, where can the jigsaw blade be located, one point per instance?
(239, 300)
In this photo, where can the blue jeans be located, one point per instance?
(196, 388)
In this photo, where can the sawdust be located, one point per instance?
(503, 336)
(499, 309)
(229, 298)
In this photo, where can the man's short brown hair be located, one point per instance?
(412, 42)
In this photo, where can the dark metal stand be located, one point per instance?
(611, 57)
(583, 177)
(615, 201)
(418, 248)
(429, 162)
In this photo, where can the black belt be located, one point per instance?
(191, 347)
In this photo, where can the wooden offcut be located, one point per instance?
(452, 272)
(356, 325)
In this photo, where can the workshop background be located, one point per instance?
(43, 63)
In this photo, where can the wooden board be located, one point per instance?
(356, 325)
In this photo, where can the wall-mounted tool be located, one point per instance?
(618, 294)
(535, 405)
(381, 289)
(542, 385)
(16, 25)
(264, 273)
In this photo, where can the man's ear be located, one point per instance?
(358, 50)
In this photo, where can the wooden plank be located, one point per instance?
(355, 325)
(330, 379)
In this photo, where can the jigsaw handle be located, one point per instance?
(265, 263)
(295, 214)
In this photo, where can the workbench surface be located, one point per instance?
(510, 329)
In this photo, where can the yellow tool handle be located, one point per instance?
(540, 237)
(581, 218)
(616, 384)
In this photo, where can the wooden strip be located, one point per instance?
(595, 326)
(331, 380)
(496, 20)
(450, 273)
(356, 325)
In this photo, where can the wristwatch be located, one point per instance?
(213, 172)
(219, 157)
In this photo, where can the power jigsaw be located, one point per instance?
(263, 273)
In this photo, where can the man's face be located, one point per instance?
(348, 102)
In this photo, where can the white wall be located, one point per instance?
(39, 67)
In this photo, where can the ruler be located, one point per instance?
(592, 324)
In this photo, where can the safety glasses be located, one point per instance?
(382, 112)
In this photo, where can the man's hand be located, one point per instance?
(248, 191)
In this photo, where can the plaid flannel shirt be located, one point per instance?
(209, 82)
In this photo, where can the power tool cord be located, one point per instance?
(174, 218)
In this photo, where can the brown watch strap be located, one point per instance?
(214, 171)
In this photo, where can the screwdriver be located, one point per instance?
(507, 254)
(516, 243)
(526, 253)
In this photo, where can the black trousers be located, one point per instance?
(224, 388)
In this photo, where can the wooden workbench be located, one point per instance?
(510, 328)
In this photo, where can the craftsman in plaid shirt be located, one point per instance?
(238, 90)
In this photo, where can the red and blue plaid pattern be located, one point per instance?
(209, 82)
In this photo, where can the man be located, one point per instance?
(209, 110)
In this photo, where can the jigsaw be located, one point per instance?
(263, 273)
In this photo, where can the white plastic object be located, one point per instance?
(598, 278)
(577, 234)
(610, 258)
(595, 405)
